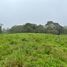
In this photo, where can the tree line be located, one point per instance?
(50, 28)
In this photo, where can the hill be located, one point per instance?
(33, 50)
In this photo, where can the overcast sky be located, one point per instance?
(13, 12)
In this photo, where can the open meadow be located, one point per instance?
(33, 50)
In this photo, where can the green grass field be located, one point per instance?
(33, 50)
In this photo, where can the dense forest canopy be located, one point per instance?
(51, 28)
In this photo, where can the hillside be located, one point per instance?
(33, 50)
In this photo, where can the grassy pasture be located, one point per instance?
(33, 50)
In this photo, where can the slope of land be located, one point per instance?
(33, 50)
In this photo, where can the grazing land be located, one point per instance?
(33, 50)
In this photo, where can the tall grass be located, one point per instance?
(33, 50)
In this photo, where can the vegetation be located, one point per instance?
(27, 28)
(65, 29)
(50, 27)
(0, 28)
(53, 28)
(33, 50)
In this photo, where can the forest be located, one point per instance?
(50, 28)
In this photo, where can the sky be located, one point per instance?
(14, 12)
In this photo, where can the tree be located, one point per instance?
(28, 27)
(16, 29)
(53, 28)
(65, 30)
(40, 29)
(0, 28)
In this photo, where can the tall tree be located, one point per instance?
(0, 28)
(54, 28)
(65, 30)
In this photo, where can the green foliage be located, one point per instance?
(65, 30)
(54, 28)
(33, 50)
(50, 27)
(0, 29)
